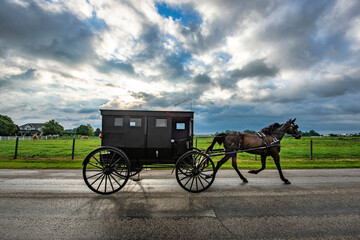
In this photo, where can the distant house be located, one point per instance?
(30, 129)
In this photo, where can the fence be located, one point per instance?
(59, 148)
(27, 137)
(68, 148)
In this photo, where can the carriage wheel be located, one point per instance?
(106, 170)
(195, 171)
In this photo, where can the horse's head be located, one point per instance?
(292, 129)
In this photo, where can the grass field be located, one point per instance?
(328, 152)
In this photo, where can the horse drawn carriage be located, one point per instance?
(132, 139)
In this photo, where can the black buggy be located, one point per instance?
(133, 139)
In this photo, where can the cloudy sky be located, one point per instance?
(238, 64)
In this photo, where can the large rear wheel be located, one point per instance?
(106, 170)
(195, 171)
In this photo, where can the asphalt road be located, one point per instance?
(56, 204)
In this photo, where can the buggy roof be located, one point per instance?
(134, 113)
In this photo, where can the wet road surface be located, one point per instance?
(56, 204)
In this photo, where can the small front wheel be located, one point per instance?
(195, 171)
(106, 170)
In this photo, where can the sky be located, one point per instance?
(237, 64)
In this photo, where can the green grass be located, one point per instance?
(328, 152)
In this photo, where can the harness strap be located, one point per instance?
(275, 143)
(262, 135)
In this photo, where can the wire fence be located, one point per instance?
(57, 148)
(77, 147)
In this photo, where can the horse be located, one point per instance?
(266, 143)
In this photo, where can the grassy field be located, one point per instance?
(328, 152)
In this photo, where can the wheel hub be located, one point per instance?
(107, 170)
(195, 172)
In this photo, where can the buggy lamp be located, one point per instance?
(100, 136)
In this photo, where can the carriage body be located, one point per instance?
(134, 138)
(148, 137)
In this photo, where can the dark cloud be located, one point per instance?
(17, 81)
(298, 30)
(88, 110)
(39, 33)
(113, 66)
(256, 68)
(335, 86)
(202, 79)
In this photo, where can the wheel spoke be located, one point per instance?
(112, 187)
(112, 158)
(100, 182)
(192, 182)
(117, 160)
(96, 179)
(204, 179)
(187, 181)
(115, 180)
(95, 165)
(105, 182)
(95, 175)
(196, 181)
(96, 159)
(119, 175)
(201, 182)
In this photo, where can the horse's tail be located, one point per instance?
(220, 138)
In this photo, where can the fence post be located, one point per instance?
(196, 143)
(16, 147)
(73, 149)
(311, 149)
(255, 157)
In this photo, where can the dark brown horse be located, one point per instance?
(268, 138)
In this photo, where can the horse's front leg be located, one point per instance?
(263, 165)
(276, 157)
(234, 164)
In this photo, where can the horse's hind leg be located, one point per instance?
(222, 161)
(234, 164)
(263, 165)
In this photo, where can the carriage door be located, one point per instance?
(182, 135)
(159, 137)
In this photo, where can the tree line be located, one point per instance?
(52, 127)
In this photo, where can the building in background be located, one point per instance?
(30, 129)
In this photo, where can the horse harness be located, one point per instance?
(274, 143)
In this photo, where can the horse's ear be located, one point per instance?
(293, 120)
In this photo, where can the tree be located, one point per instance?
(249, 131)
(85, 130)
(309, 134)
(52, 127)
(97, 132)
(7, 126)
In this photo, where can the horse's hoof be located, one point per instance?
(245, 180)
(252, 171)
(287, 182)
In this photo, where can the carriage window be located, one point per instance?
(180, 126)
(161, 123)
(118, 122)
(135, 122)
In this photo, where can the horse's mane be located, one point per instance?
(269, 129)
